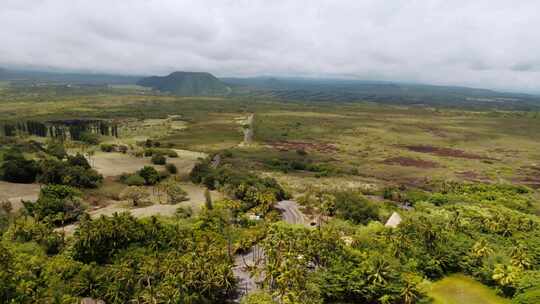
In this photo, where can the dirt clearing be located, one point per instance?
(17, 192)
(114, 164)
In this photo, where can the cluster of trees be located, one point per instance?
(346, 204)
(83, 130)
(120, 259)
(148, 176)
(57, 168)
(251, 190)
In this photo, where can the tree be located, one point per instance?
(353, 206)
(56, 148)
(171, 168)
(175, 193)
(17, 169)
(135, 194)
(208, 199)
(89, 138)
(150, 175)
(78, 160)
(58, 203)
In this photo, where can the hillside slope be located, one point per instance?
(187, 84)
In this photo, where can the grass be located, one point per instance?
(460, 289)
(364, 134)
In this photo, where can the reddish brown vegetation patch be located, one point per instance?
(299, 145)
(411, 162)
(529, 176)
(472, 176)
(441, 151)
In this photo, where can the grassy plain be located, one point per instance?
(357, 142)
(460, 289)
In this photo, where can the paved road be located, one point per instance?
(292, 215)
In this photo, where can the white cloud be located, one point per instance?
(484, 43)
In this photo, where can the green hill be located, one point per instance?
(187, 84)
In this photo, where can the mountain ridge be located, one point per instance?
(184, 83)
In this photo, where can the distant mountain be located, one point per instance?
(347, 90)
(187, 84)
(65, 78)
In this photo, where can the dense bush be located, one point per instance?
(57, 204)
(107, 147)
(252, 190)
(16, 169)
(74, 172)
(158, 159)
(134, 180)
(56, 148)
(171, 168)
(89, 138)
(78, 160)
(150, 175)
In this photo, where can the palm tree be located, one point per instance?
(481, 249)
(505, 275)
(520, 258)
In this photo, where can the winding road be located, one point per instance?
(242, 262)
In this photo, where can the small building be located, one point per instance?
(393, 221)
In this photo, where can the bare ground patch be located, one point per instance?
(114, 164)
(443, 151)
(300, 145)
(411, 162)
(17, 192)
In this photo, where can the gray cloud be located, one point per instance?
(483, 43)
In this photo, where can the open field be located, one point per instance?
(17, 192)
(195, 201)
(390, 144)
(460, 289)
(114, 164)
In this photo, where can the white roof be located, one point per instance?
(394, 220)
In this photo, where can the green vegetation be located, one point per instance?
(464, 183)
(457, 289)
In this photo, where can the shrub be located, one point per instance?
(134, 180)
(158, 159)
(63, 173)
(89, 138)
(150, 175)
(56, 149)
(60, 204)
(19, 170)
(171, 168)
(175, 193)
(106, 147)
(78, 160)
(123, 149)
(136, 195)
(354, 206)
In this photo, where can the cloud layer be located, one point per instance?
(483, 43)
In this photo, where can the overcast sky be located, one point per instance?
(482, 43)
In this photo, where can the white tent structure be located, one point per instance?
(393, 221)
